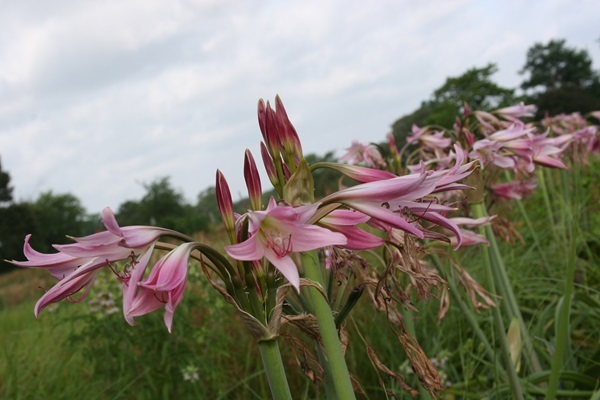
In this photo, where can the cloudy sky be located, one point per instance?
(98, 97)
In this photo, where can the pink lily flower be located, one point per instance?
(504, 148)
(515, 112)
(391, 201)
(278, 232)
(431, 140)
(514, 189)
(358, 173)
(163, 287)
(76, 265)
(368, 155)
(543, 148)
(346, 222)
(471, 238)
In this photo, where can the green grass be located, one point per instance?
(73, 352)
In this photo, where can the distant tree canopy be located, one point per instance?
(554, 65)
(5, 188)
(161, 205)
(560, 79)
(475, 87)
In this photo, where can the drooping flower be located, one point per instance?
(546, 151)
(516, 112)
(471, 238)
(346, 222)
(367, 155)
(76, 265)
(278, 232)
(400, 201)
(514, 189)
(506, 148)
(163, 287)
(433, 140)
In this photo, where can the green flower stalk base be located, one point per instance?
(329, 334)
(271, 358)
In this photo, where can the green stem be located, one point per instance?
(515, 385)
(271, 358)
(329, 381)
(534, 235)
(542, 182)
(563, 326)
(409, 324)
(467, 312)
(506, 291)
(327, 329)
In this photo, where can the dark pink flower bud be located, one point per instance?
(287, 133)
(225, 205)
(252, 181)
(269, 166)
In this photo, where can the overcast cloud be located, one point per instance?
(98, 97)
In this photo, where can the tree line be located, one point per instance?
(557, 78)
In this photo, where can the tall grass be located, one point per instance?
(74, 352)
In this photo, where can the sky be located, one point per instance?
(99, 97)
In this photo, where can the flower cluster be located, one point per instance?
(279, 245)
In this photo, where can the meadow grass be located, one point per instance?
(73, 351)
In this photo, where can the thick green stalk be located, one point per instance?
(515, 385)
(327, 329)
(329, 386)
(271, 358)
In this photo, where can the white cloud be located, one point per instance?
(96, 97)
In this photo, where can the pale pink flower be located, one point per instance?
(543, 150)
(76, 265)
(515, 112)
(392, 202)
(469, 237)
(514, 189)
(163, 287)
(432, 140)
(506, 148)
(278, 232)
(367, 155)
(346, 222)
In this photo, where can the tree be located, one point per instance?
(560, 79)
(16, 221)
(55, 215)
(47, 219)
(554, 65)
(475, 87)
(162, 206)
(5, 188)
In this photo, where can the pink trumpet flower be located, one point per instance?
(543, 150)
(515, 112)
(163, 287)
(359, 153)
(345, 222)
(471, 238)
(76, 265)
(514, 189)
(433, 140)
(390, 201)
(278, 232)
